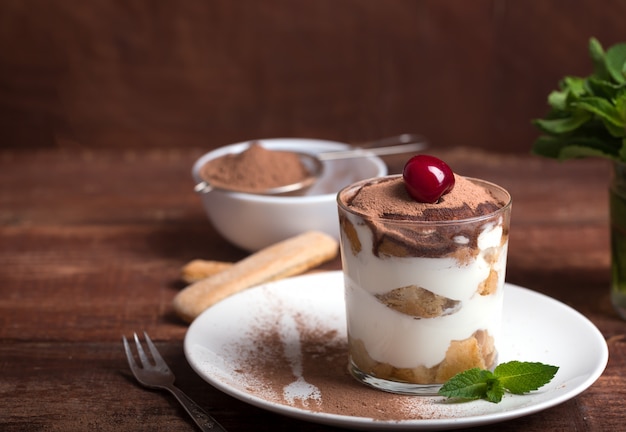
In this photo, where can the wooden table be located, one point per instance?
(91, 246)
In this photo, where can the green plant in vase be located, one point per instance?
(587, 118)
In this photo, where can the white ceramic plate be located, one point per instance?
(257, 346)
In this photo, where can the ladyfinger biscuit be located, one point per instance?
(286, 258)
(199, 269)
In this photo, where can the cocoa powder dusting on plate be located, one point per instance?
(268, 371)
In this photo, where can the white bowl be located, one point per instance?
(253, 222)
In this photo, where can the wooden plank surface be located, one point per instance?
(92, 242)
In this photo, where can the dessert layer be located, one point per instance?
(406, 311)
(387, 198)
(477, 351)
(401, 226)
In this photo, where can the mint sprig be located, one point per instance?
(515, 377)
(587, 116)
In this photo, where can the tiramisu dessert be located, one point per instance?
(424, 257)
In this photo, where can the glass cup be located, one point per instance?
(618, 238)
(419, 313)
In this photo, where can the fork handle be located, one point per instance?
(203, 419)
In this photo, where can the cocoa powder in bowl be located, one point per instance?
(254, 170)
(252, 221)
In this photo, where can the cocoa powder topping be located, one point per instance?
(388, 199)
(395, 218)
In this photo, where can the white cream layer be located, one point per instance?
(404, 341)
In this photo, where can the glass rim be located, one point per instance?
(389, 221)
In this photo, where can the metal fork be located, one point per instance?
(157, 375)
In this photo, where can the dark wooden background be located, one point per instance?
(203, 73)
(105, 104)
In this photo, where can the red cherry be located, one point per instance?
(427, 178)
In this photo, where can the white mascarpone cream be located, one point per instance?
(404, 341)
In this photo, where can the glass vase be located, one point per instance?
(618, 237)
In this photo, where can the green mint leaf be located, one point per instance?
(620, 106)
(581, 151)
(522, 377)
(515, 377)
(604, 89)
(548, 146)
(560, 126)
(495, 391)
(596, 52)
(588, 111)
(571, 147)
(471, 384)
(558, 100)
(573, 86)
(615, 59)
(555, 145)
(603, 108)
(620, 103)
